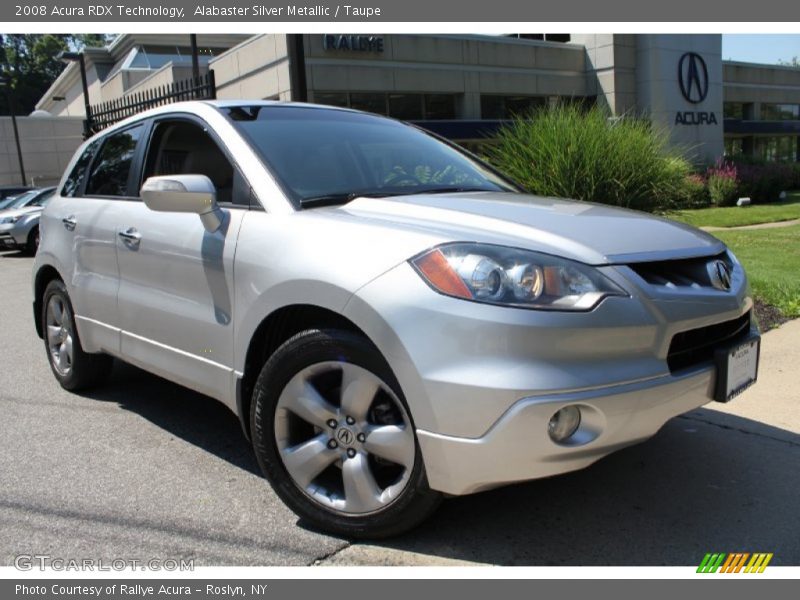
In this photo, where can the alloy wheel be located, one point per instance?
(344, 437)
(59, 334)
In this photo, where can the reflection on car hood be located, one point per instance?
(592, 233)
(27, 210)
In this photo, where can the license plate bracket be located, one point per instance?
(737, 367)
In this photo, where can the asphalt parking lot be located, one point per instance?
(145, 469)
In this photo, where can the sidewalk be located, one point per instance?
(775, 399)
(770, 225)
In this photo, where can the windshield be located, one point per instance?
(318, 153)
(20, 201)
(43, 198)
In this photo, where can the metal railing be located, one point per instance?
(107, 113)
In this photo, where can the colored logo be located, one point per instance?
(693, 77)
(735, 562)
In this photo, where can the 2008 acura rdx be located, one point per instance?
(391, 319)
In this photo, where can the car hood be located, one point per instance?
(584, 231)
(14, 212)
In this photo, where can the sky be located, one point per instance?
(760, 48)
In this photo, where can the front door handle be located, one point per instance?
(130, 237)
(69, 223)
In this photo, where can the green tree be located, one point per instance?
(792, 62)
(30, 63)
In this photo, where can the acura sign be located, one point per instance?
(693, 83)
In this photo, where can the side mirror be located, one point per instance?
(184, 194)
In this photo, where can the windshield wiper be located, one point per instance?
(447, 190)
(339, 199)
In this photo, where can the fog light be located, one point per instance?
(564, 423)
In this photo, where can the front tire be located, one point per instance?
(334, 437)
(32, 245)
(73, 368)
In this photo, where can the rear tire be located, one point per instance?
(363, 477)
(73, 368)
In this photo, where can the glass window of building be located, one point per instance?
(440, 106)
(406, 107)
(506, 107)
(734, 147)
(778, 149)
(732, 110)
(332, 98)
(368, 102)
(780, 112)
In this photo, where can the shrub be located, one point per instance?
(693, 193)
(571, 152)
(723, 184)
(764, 183)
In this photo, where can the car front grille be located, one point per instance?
(697, 346)
(684, 273)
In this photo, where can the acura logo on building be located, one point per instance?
(720, 275)
(693, 77)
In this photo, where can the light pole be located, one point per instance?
(68, 57)
(5, 81)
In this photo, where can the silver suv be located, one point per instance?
(391, 319)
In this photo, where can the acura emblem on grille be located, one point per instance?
(720, 275)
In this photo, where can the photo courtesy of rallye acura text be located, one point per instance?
(391, 319)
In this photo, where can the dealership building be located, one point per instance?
(465, 86)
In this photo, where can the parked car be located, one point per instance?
(26, 198)
(19, 225)
(391, 319)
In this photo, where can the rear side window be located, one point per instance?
(73, 183)
(110, 171)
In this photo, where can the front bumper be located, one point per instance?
(7, 241)
(12, 236)
(519, 448)
(483, 381)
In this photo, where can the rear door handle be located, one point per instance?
(130, 237)
(69, 223)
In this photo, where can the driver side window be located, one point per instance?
(183, 148)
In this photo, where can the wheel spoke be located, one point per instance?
(308, 459)
(307, 403)
(358, 391)
(57, 310)
(62, 357)
(67, 348)
(361, 491)
(54, 334)
(393, 443)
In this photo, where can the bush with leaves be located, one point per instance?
(723, 183)
(568, 151)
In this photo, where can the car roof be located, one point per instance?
(195, 105)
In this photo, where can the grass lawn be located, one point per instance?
(735, 216)
(771, 258)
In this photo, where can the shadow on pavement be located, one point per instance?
(193, 417)
(707, 482)
(695, 487)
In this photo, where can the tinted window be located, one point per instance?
(316, 152)
(109, 176)
(73, 183)
(183, 148)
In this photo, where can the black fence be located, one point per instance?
(107, 113)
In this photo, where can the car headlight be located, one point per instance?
(513, 277)
(7, 220)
